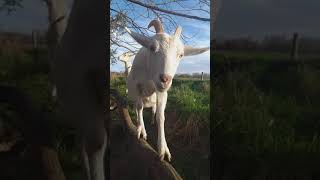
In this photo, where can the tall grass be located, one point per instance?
(190, 98)
(265, 121)
(187, 125)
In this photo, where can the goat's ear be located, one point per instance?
(141, 39)
(190, 51)
(125, 56)
(177, 33)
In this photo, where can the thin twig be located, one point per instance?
(168, 11)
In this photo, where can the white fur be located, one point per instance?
(125, 58)
(160, 54)
(79, 74)
(54, 92)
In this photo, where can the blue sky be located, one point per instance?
(197, 31)
(34, 15)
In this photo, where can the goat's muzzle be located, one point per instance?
(165, 79)
(164, 83)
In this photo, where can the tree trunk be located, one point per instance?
(215, 8)
(213, 23)
(127, 151)
(57, 15)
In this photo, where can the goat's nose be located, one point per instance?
(165, 78)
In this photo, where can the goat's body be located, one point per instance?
(151, 76)
(139, 82)
(79, 70)
(142, 90)
(127, 66)
(125, 58)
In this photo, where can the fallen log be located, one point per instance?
(36, 131)
(131, 158)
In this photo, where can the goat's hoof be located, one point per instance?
(165, 152)
(141, 131)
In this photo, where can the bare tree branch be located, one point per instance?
(125, 13)
(10, 5)
(123, 46)
(168, 11)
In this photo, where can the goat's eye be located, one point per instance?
(181, 55)
(153, 48)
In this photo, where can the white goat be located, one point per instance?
(80, 77)
(151, 75)
(125, 58)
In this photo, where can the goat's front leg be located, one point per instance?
(140, 127)
(154, 109)
(95, 147)
(162, 143)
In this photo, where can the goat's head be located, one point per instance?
(125, 57)
(164, 53)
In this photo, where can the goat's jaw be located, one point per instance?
(162, 87)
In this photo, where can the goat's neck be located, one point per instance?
(141, 66)
(127, 66)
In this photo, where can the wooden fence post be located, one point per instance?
(201, 76)
(35, 45)
(294, 47)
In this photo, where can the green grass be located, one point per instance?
(266, 117)
(262, 55)
(190, 98)
(22, 71)
(187, 125)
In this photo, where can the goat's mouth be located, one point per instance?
(162, 87)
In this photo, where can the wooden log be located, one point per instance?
(51, 164)
(36, 131)
(138, 159)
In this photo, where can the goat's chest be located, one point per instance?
(146, 89)
(149, 101)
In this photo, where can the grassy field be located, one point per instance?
(187, 126)
(265, 123)
(266, 111)
(187, 120)
(20, 69)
